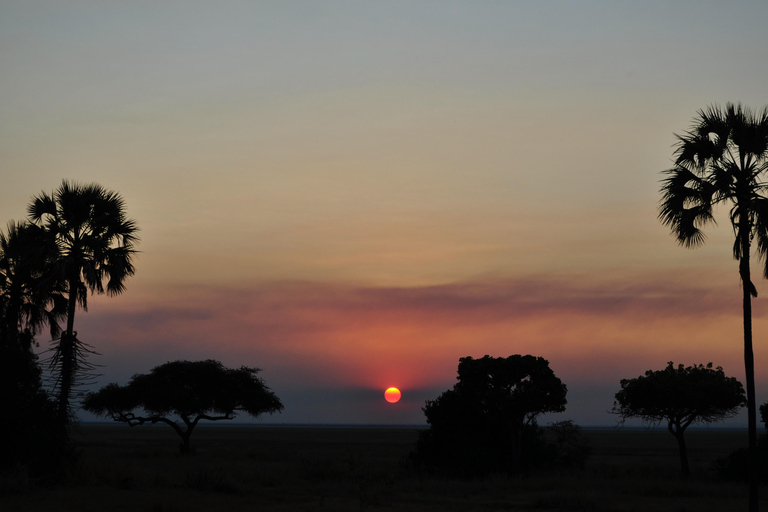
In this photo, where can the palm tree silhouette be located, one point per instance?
(722, 160)
(29, 295)
(95, 242)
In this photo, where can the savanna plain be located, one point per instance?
(283, 468)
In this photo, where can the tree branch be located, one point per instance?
(133, 420)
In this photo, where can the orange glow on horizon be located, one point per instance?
(354, 336)
(392, 395)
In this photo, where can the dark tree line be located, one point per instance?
(27, 414)
(487, 422)
(78, 240)
(75, 240)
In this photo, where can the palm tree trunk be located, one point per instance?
(67, 354)
(749, 367)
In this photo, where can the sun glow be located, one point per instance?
(392, 395)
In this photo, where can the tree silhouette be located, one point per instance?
(95, 243)
(680, 396)
(722, 160)
(191, 390)
(30, 296)
(28, 300)
(481, 424)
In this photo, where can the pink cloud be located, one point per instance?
(317, 334)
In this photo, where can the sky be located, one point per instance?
(354, 195)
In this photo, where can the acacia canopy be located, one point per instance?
(189, 390)
(681, 396)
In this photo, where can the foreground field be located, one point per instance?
(358, 469)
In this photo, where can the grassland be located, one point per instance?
(360, 469)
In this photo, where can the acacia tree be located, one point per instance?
(189, 390)
(480, 424)
(95, 244)
(681, 396)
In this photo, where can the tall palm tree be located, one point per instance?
(723, 159)
(29, 299)
(29, 295)
(95, 242)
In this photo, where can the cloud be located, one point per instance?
(314, 335)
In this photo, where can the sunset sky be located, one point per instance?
(354, 195)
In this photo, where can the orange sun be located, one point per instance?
(392, 395)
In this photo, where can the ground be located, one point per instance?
(359, 469)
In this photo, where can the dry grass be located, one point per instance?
(359, 469)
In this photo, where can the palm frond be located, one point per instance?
(41, 206)
(694, 149)
(706, 141)
(686, 205)
(32, 299)
(85, 375)
(750, 133)
(761, 231)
